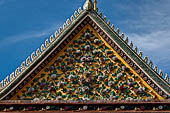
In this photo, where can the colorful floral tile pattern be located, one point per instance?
(87, 70)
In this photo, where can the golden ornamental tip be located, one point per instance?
(95, 5)
(88, 5)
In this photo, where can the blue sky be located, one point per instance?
(26, 24)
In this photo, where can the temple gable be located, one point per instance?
(87, 68)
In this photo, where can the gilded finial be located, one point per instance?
(161, 73)
(167, 78)
(79, 10)
(60, 29)
(140, 53)
(127, 40)
(72, 18)
(68, 22)
(33, 57)
(56, 34)
(88, 5)
(6, 81)
(105, 18)
(12, 76)
(1, 84)
(136, 49)
(47, 43)
(108, 22)
(101, 14)
(23, 66)
(113, 27)
(122, 35)
(28, 61)
(38, 52)
(118, 31)
(146, 59)
(64, 26)
(17, 71)
(51, 38)
(95, 5)
(131, 44)
(150, 63)
(156, 68)
(76, 14)
(42, 47)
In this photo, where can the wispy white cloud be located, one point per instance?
(156, 45)
(147, 24)
(154, 41)
(152, 32)
(149, 16)
(8, 41)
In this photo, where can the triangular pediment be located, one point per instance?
(88, 61)
(87, 68)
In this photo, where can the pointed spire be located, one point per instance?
(17, 71)
(161, 73)
(60, 29)
(72, 18)
(79, 10)
(23, 66)
(6, 81)
(51, 38)
(38, 52)
(95, 5)
(47, 43)
(88, 5)
(136, 49)
(76, 14)
(131, 44)
(146, 59)
(1, 84)
(150, 63)
(101, 14)
(113, 26)
(64, 25)
(156, 68)
(105, 18)
(12, 76)
(127, 40)
(56, 34)
(68, 22)
(42, 47)
(28, 61)
(140, 53)
(167, 78)
(33, 57)
(122, 35)
(108, 22)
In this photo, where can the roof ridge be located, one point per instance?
(35, 55)
(135, 50)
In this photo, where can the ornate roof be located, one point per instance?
(87, 69)
(86, 61)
